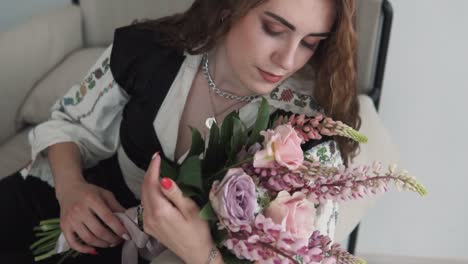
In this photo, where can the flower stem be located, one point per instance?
(43, 234)
(46, 247)
(415, 185)
(50, 221)
(55, 234)
(47, 227)
(69, 253)
(44, 256)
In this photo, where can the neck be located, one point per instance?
(223, 74)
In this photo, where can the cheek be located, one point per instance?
(247, 41)
(302, 57)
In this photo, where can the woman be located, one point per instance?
(158, 79)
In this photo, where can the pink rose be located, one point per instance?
(282, 146)
(295, 213)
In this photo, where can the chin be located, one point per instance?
(263, 88)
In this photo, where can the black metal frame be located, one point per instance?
(376, 92)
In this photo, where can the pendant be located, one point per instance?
(209, 122)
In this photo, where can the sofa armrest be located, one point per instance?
(379, 148)
(28, 52)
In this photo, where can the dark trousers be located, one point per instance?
(24, 202)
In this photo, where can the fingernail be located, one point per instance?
(126, 237)
(166, 183)
(155, 155)
(93, 252)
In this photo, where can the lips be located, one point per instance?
(269, 77)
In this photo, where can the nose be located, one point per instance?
(284, 57)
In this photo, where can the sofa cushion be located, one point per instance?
(101, 17)
(28, 52)
(55, 84)
(15, 153)
(379, 148)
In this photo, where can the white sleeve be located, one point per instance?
(327, 214)
(89, 115)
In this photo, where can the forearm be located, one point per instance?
(65, 163)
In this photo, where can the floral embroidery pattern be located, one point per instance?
(287, 95)
(101, 94)
(326, 153)
(88, 84)
(329, 155)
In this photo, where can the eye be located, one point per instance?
(311, 46)
(269, 31)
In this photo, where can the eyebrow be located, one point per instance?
(292, 27)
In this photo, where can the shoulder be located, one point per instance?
(136, 51)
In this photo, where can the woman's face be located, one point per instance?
(276, 39)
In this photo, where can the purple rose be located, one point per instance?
(234, 200)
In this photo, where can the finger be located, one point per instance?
(98, 229)
(113, 204)
(150, 193)
(76, 245)
(109, 219)
(152, 174)
(173, 193)
(88, 237)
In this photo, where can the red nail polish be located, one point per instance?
(93, 252)
(166, 183)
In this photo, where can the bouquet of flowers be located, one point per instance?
(260, 191)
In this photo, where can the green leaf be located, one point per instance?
(239, 138)
(168, 171)
(198, 144)
(189, 191)
(212, 152)
(261, 123)
(190, 173)
(207, 212)
(226, 130)
(218, 235)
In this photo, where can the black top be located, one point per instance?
(146, 69)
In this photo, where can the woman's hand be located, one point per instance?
(86, 211)
(173, 219)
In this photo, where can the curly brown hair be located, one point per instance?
(334, 62)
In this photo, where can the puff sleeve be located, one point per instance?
(89, 115)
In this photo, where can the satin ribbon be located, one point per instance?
(139, 244)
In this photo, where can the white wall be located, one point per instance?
(425, 107)
(13, 12)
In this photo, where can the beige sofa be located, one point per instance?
(41, 59)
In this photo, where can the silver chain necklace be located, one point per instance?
(218, 91)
